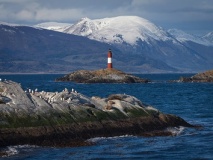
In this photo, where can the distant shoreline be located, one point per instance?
(12, 73)
(3, 73)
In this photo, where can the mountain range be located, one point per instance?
(137, 44)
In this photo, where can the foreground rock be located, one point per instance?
(102, 76)
(200, 77)
(68, 118)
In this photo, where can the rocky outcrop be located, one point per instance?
(102, 76)
(69, 118)
(200, 77)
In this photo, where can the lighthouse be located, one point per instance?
(109, 60)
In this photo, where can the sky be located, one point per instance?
(191, 16)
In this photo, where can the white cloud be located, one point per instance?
(166, 13)
(45, 14)
(14, 1)
(25, 15)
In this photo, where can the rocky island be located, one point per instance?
(68, 118)
(109, 75)
(200, 77)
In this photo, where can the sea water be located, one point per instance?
(191, 101)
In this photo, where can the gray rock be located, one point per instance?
(64, 118)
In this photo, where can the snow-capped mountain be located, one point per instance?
(8, 24)
(209, 37)
(125, 29)
(122, 29)
(184, 37)
(137, 36)
(137, 44)
(55, 26)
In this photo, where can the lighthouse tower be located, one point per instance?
(109, 60)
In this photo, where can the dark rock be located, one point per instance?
(102, 76)
(76, 134)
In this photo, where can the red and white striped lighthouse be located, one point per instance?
(109, 60)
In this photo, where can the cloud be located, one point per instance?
(45, 14)
(186, 14)
(165, 13)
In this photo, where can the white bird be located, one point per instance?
(36, 90)
(73, 90)
(29, 90)
(0, 79)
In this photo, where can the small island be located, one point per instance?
(200, 77)
(69, 118)
(108, 75)
(102, 76)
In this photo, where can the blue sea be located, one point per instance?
(191, 101)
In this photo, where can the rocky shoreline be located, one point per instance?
(200, 77)
(102, 76)
(69, 118)
(77, 134)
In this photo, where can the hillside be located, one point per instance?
(26, 49)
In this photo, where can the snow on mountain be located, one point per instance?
(55, 26)
(8, 24)
(184, 37)
(8, 27)
(209, 37)
(128, 29)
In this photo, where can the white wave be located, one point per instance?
(14, 150)
(176, 130)
(25, 146)
(10, 151)
(97, 139)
